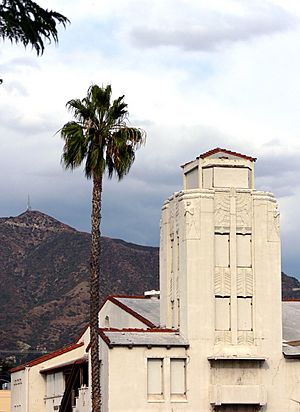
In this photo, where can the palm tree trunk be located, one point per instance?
(94, 293)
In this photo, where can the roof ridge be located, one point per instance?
(129, 296)
(219, 149)
(152, 330)
(47, 356)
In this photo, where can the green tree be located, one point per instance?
(100, 138)
(24, 21)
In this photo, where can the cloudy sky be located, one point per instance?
(196, 75)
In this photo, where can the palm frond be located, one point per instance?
(121, 150)
(99, 136)
(75, 147)
(24, 21)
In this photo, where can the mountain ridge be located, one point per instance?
(44, 265)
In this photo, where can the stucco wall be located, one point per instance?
(33, 388)
(220, 284)
(128, 380)
(113, 316)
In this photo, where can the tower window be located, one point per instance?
(244, 306)
(221, 250)
(243, 250)
(222, 313)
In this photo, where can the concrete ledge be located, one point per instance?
(236, 358)
(238, 394)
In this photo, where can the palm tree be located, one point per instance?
(26, 22)
(101, 138)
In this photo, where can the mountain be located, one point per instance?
(290, 287)
(44, 272)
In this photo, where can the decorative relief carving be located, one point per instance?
(171, 219)
(273, 222)
(223, 336)
(244, 210)
(177, 216)
(245, 338)
(192, 219)
(244, 282)
(222, 281)
(172, 287)
(177, 287)
(222, 209)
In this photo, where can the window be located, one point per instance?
(207, 179)
(192, 179)
(55, 384)
(178, 378)
(243, 245)
(244, 307)
(106, 321)
(222, 312)
(50, 385)
(155, 378)
(231, 177)
(222, 250)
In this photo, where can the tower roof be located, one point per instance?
(225, 152)
(229, 152)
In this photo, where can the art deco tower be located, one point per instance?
(220, 266)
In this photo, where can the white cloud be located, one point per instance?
(245, 97)
(208, 30)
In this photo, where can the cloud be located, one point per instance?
(15, 65)
(278, 169)
(244, 98)
(212, 30)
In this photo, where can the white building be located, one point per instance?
(213, 341)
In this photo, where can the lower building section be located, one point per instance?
(239, 395)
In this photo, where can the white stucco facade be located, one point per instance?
(214, 339)
(220, 283)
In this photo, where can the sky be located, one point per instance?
(195, 74)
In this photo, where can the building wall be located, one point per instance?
(19, 396)
(32, 393)
(5, 397)
(125, 382)
(113, 316)
(220, 285)
(128, 389)
(104, 374)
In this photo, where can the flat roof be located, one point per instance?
(142, 337)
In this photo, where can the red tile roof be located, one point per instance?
(229, 152)
(48, 356)
(217, 150)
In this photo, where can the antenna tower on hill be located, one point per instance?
(28, 204)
